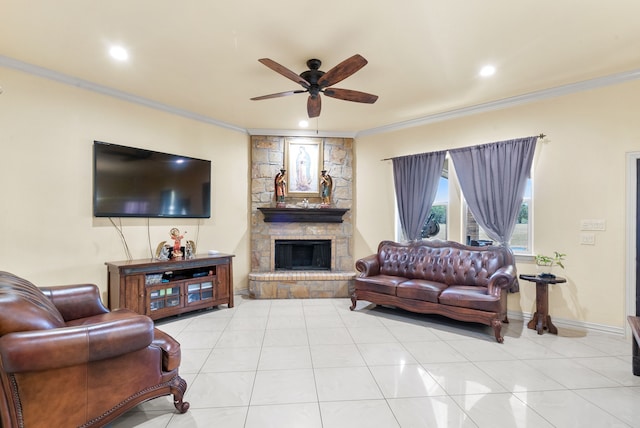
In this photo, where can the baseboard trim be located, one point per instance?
(572, 324)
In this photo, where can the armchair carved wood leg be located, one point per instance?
(178, 387)
(497, 327)
(354, 301)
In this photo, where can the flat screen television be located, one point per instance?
(132, 182)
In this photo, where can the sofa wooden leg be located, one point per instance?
(354, 300)
(497, 327)
(178, 387)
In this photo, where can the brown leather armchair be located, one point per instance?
(66, 361)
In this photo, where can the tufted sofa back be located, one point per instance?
(442, 261)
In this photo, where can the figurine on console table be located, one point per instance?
(165, 251)
(326, 184)
(177, 240)
(190, 249)
(280, 188)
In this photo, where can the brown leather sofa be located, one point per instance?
(66, 361)
(439, 277)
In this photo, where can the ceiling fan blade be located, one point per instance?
(313, 106)
(341, 71)
(279, 94)
(285, 72)
(349, 95)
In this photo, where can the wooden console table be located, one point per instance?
(160, 289)
(541, 320)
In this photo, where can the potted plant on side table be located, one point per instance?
(545, 264)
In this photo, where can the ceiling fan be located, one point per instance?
(314, 81)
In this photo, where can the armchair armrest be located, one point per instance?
(69, 346)
(171, 354)
(368, 266)
(501, 279)
(76, 301)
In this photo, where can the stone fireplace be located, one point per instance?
(301, 253)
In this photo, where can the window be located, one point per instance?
(436, 225)
(521, 240)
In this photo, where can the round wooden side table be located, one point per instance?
(541, 320)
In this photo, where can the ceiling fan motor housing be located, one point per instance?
(312, 76)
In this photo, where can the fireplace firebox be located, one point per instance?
(302, 254)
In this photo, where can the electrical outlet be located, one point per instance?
(587, 239)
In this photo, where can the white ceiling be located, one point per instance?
(200, 57)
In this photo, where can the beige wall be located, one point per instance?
(51, 237)
(46, 134)
(579, 173)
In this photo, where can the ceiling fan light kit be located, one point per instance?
(315, 81)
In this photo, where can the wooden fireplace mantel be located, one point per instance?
(303, 215)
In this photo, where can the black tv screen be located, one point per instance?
(131, 182)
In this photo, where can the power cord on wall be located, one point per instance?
(149, 240)
(197, 235)
(122, 238)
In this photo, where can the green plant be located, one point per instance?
(555, 260)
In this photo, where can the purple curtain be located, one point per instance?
(493, 178)
(416, 180)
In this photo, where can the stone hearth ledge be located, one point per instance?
(300, 284)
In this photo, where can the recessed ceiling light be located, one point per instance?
(119, 53)
(487, 70)
(303, 123)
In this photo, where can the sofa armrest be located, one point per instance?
(76, 301)
(368, 266)
(69, 346)
(501, 279)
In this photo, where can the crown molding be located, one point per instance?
(301, 133)
(507, 102)
(420, 121)
(105, 90)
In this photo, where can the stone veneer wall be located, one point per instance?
(268, 154)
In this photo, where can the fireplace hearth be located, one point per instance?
(302, 254)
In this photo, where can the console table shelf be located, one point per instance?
(160, 289)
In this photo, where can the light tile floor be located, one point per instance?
(314, 363)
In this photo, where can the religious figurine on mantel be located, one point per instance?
(326, 186)
(280, 188)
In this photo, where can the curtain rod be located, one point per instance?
(541, 136)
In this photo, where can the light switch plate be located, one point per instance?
(587, 239)
(593, 224)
